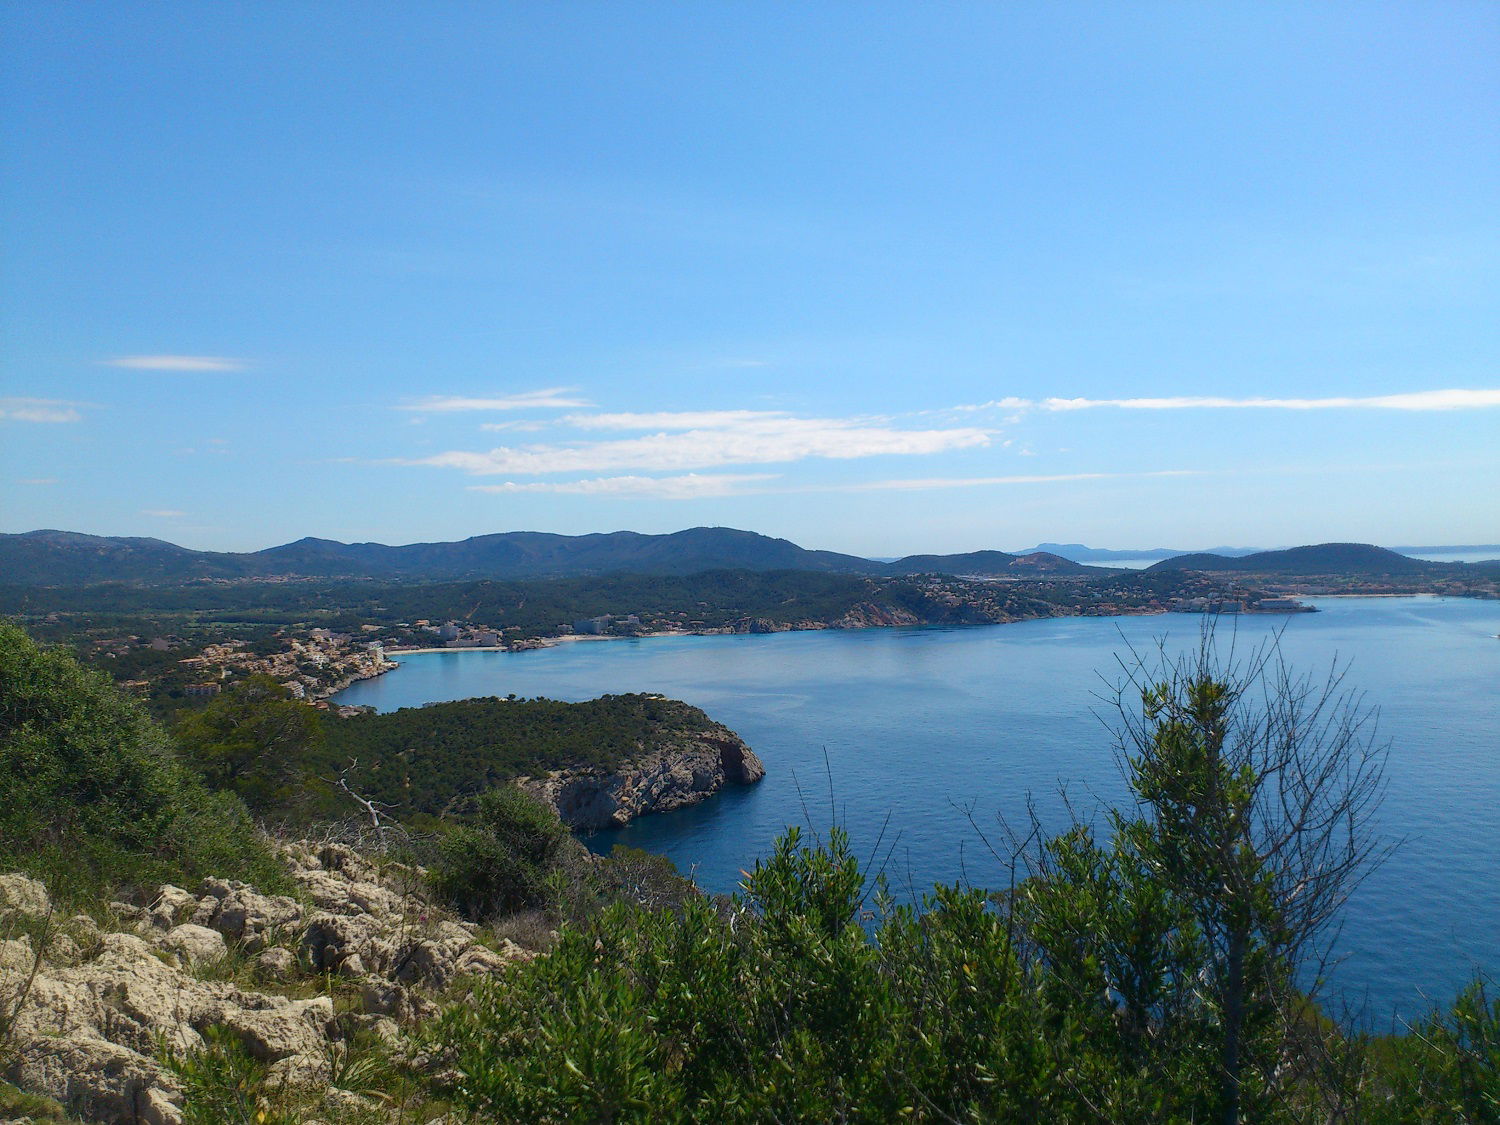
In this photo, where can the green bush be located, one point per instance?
(1446, 1069)
(500, 862)
(779, 1008)
(95, 795)
(223, 1084)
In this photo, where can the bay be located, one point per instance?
(930, 734)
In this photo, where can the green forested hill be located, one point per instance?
(419, 759)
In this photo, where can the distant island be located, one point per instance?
(1078, 552)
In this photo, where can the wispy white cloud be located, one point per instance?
(924, 484)
(675, 419)
(697, 486)
(163, 513)
(1413, 401)
(690, 486)
(38, 480)
(550, 398)
(39, 410)
(753, 440)
(517, 426)
(177, 363)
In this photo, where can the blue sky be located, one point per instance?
(876, 278)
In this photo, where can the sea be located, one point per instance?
(931, 746)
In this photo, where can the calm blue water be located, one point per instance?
(919, 724)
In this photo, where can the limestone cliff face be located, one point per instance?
(686, 770)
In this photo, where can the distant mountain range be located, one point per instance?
(49, 558)
(65, 558)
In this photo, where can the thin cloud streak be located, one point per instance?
(1454, 399)
(922, 484)
(39, 410)
(163, 513)
(550, 398)
(691, 486)
(674, 419)
(508, 427)
(765, 441)
(177, 363)
(695, 486)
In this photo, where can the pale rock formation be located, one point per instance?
(100, 1003)
(692, 768)
(100, 1081)
(20, 895)
(195, 945)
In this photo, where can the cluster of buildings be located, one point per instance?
(1219, 604)
(309, 667)
(454, 635)
(606, 623)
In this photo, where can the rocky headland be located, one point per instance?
(686, 768)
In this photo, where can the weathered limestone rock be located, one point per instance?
(695, 768)
(195, 945)
(244, 915)
(348, 944)
(868, 615)
(277, 963)
(391, 999)
(99, 1080)
(339, 879)
(84, 929)
(171, 906)
(291, 1028)
(101, 1005)
(20, 895)
(63, 950)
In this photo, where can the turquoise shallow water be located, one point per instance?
(921, 724)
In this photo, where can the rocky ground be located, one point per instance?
(90, 1005)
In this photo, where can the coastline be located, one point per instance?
(538, 642)
(393, 656)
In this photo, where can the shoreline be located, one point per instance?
(1419, 594)
(539, 642)
(533, 644)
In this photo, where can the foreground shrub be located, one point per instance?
(779, 1007)
(1447, 1069)
(94, 794)
(501, 860)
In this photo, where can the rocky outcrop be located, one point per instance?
(692, 767)
(94, 1006)
(868, 615)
